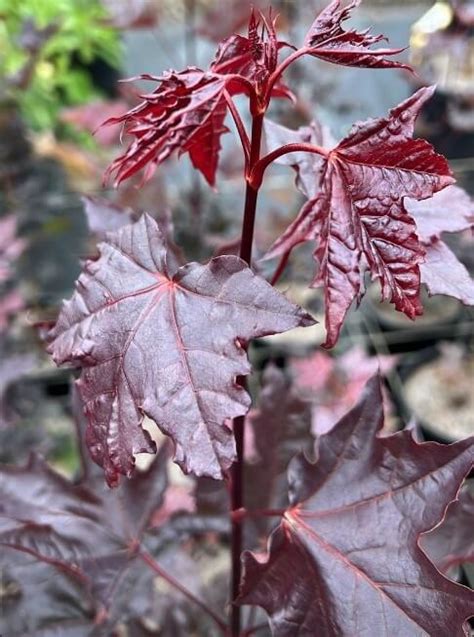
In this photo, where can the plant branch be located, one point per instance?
(153, 564)
(244, 138)
(259, 168)
(281, 68)
(237, 474)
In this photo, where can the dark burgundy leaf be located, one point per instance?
(327, 40)
(452, 543)
(358, 219)
(39, 601)
(156, 339)
(185, 114)
(89, 534)
(170, 613)
(345, 557)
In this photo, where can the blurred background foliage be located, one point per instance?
(49, 52)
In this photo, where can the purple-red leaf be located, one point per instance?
(88, 533)
(327, 40)
(185, 113)
(358, 218)
(158, 339)
(346, 556)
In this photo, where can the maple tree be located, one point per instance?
(158, 337)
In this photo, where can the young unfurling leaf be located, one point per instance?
(158, 339)
(346, 556)
(254, 57)
(184, 114)
(358, 218)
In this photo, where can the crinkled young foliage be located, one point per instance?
(346, 558)
(400, 241)
(357, 217)
(186, 112)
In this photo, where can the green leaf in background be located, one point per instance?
(45, 48)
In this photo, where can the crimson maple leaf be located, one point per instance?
(358, 218)
(327, 40)
(158, 339)
(185, 113)
(345, 559)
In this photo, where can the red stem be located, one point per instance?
(278, 72)
(258, 170)
(237, 477)
(148, 559)
(244, 138)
